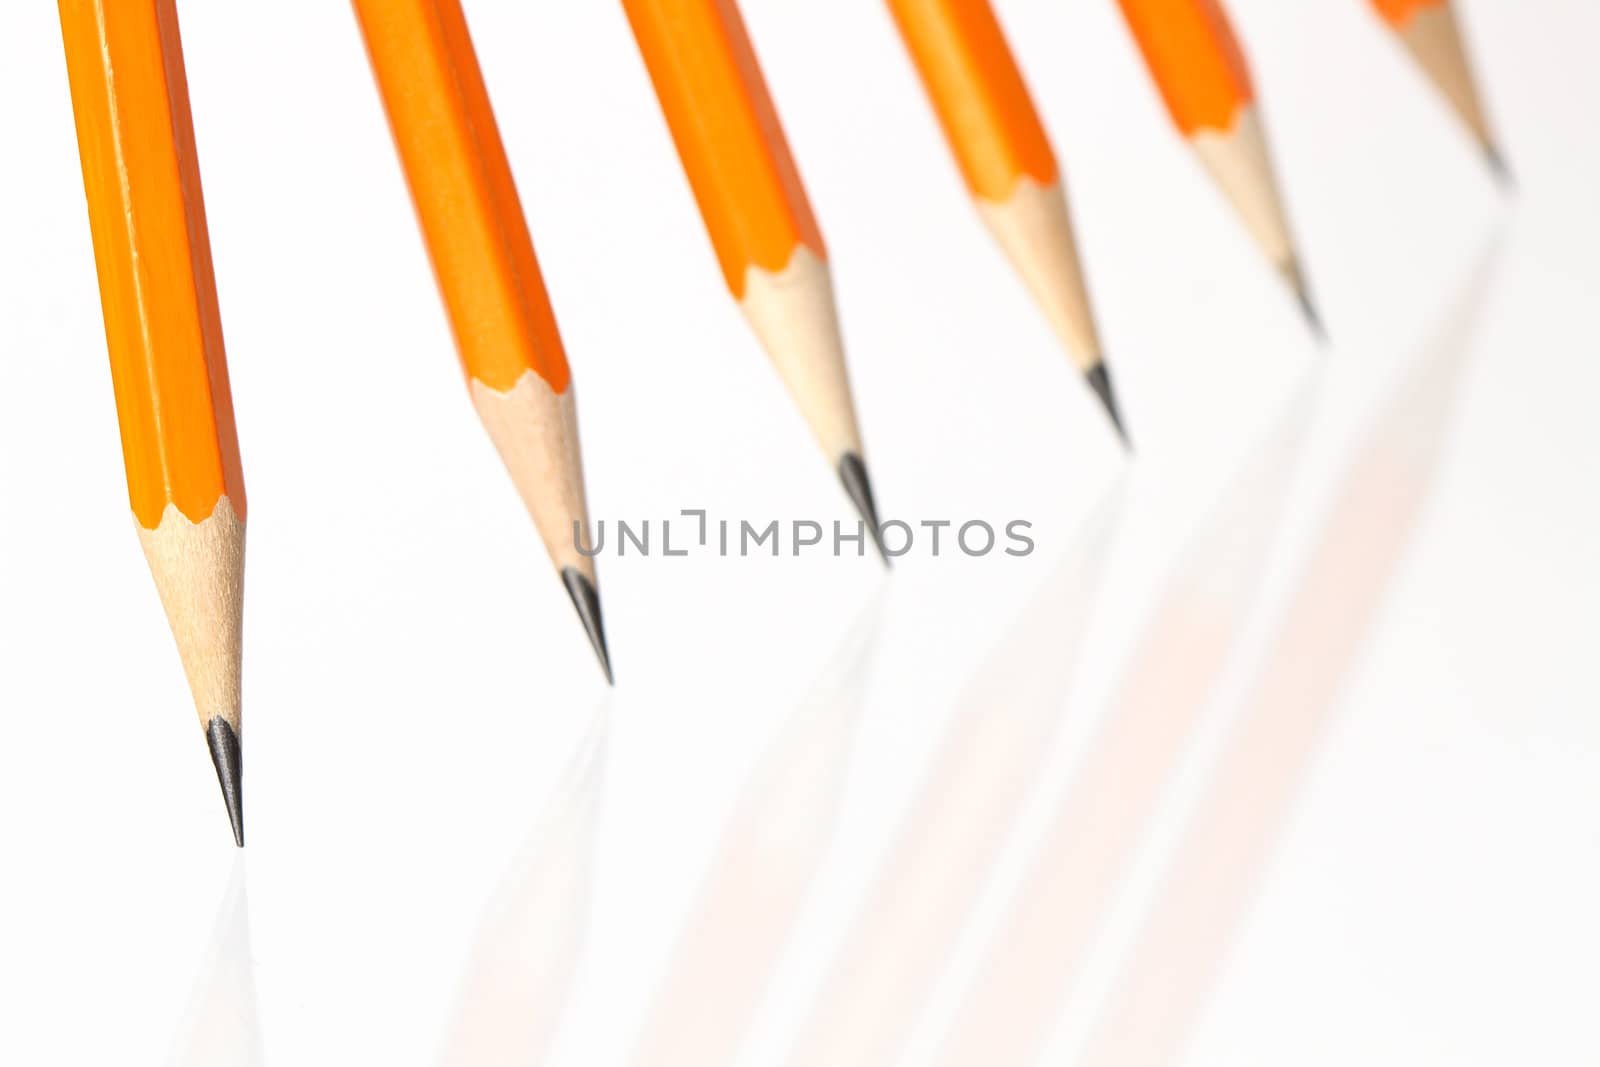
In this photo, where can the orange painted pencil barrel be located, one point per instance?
(141, 176)
(163, 330)
(1398, 13)
(727, 132)
(978, 93)
(463, 190)
(1195, 61)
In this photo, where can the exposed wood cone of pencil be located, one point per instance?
(744, 178)
(130, 101)
(1201, 73)
(1010, 169)
(1432, 34)
(483, 259)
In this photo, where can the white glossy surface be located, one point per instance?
(1335, 669)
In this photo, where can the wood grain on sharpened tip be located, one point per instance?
(1201, 73)
(1432, 34)
(483, 259)
(744, 179)
(993, 129)
(130, 101)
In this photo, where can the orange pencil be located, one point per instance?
(1432, 34)
(130, 101)
(472, 222)
(738, 163)
(989, 119)
(1201, 73)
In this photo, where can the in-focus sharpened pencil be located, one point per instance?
(1202, 76)
(130, 101)
(1004, 154)
(477, 237)
(739, 166)
(1432, 34)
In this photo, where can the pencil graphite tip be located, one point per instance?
(853, 473)
(225, 756)
(587, 602)
(1497, 163)
(1313, 319)
(1099, 379)
(1302, 292)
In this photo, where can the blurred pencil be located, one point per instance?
(130, 101)
(1432, 34)
(1201, 73)
(1004, 154)
(483, 259)
(754, 205)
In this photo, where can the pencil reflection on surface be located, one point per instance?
(942, 855)
(220, 1024)
(515, 987)
(1233, 829)
(1031, 962)
(766, 861)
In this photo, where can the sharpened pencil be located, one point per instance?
(483, 259)
(1202, 76)
(744, 178)
(1005, 156)
(1432, 34)
(141, 176)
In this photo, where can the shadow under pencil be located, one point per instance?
(1030, 964)
(221, 1024)
(1233, 830)
(514, 989)
(751, 898)
(941, 856)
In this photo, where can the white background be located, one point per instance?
(1411, 861)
